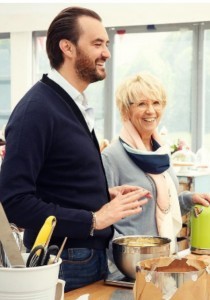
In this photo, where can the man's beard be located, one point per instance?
(86, 69)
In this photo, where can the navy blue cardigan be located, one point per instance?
(53, 167)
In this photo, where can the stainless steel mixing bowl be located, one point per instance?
(129, 250)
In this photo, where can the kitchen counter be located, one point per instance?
(100, 291)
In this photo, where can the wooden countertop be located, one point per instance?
(100, 291)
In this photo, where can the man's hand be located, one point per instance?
(124, 189)
(127, 201)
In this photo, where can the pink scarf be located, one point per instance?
(168, 215)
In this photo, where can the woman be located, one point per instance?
(138, 157)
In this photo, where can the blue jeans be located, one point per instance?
(82, 266)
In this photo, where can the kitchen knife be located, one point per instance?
(8, 241)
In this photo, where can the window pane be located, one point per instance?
(167, 55)
(5, 95)
(207, 90)
(41, 65)
(5, 102)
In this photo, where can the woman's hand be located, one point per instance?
(125, 202)
(203, 199)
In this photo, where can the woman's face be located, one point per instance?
(145, 114)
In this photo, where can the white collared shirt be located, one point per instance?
(79, 98)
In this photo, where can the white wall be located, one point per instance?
(21, 19)
(37, 16)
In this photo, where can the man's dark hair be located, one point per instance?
(65, 26)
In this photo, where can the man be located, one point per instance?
(53, 165)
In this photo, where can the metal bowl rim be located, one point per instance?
(164, 239)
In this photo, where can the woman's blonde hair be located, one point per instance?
(134, 87)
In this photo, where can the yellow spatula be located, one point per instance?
(45, 233)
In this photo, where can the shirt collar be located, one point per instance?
(60, 80)
(79, 98)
